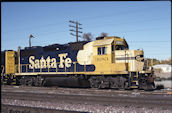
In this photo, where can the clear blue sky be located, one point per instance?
(145, 25)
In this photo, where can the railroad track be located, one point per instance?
(86, 100)
(80, 90)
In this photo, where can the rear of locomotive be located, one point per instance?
(8, 67)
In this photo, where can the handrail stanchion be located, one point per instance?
(75, 66)
(84, 67)
(26, 68)
(65, 68)
(41, 69)
(56, 66)
(20, 68)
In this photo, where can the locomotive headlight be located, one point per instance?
(140, 58)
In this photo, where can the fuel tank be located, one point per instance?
(67, 82)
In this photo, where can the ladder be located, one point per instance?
(13, 79)
(133, 79)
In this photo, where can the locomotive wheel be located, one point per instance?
(30, 81)
(108, 82)
(146, 86)
(39, 81)
(22, 81)
(94, 82)
(126, 86)
(149, 87)
(26, 80)
(118, 82)
(122, 82)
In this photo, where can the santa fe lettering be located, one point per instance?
(49, 62)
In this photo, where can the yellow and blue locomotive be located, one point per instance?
(106, 62)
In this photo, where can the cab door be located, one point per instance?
(113, 52)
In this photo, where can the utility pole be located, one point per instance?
(76, 29)
(31, 36)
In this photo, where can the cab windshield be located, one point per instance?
(120, 47)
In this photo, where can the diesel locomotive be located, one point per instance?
(105, 62)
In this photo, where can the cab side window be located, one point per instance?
(99, 51)
(102, 50)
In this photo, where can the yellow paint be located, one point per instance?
(102, 62)
(9, 62)
(138, 64)
(104, 65)
(119, 67)
(103, 42)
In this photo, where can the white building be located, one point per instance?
(164, 67)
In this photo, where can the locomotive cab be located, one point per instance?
(106, 51)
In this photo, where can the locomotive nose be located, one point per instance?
(140, 56)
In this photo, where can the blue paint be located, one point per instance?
(38, 52)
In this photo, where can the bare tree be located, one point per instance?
(167, 61)
(103, 34)
(87, 36)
